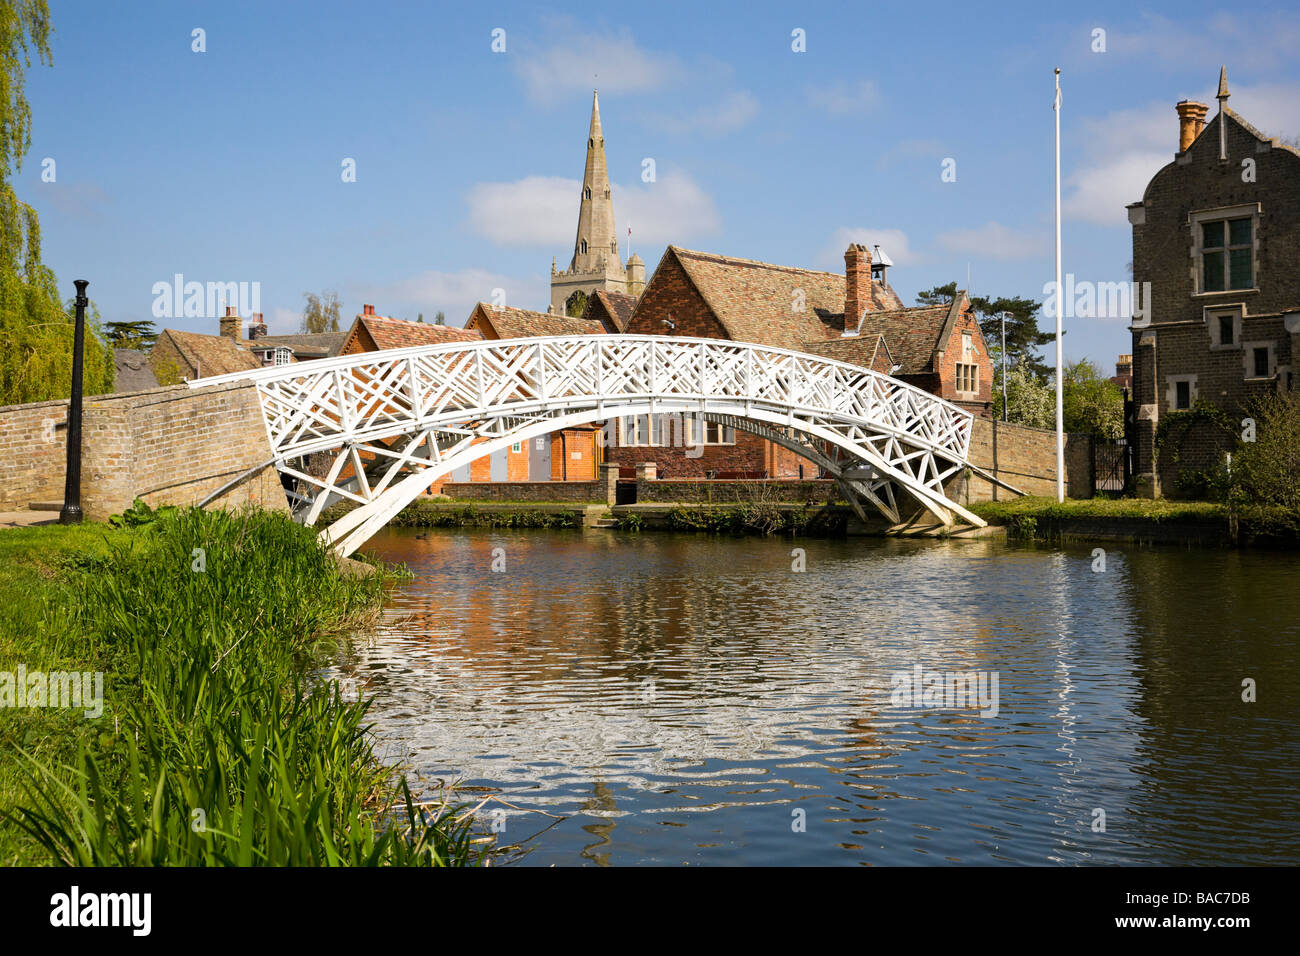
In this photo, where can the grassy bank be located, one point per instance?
(215, 746)
(1045, 518)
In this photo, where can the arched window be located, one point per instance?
(586, 192)
(591, 143)
(583, 246)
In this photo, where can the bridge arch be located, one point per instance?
(397, 420)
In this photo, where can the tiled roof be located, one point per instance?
(757, 301)
(512, 323)
(133, 371)
(306, 345)
(913, 335)
(389, 333)
(617, 305)
(864, 351)
(211, 354)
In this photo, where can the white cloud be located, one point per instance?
(994, 241)
(843, 98)
(734, 111)
(1125, 148)
(543, 211)
(892, 242)
(1262, 40)
(610, 61)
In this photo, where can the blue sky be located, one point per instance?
(226, 165)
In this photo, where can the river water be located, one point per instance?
(686, 699)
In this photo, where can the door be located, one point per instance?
(539, 458)
(499, 465)
(461, 473)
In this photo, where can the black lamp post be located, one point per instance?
(71, 511)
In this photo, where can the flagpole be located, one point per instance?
(1060, 294)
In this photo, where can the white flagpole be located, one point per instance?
(1060, 293)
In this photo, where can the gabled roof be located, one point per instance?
(133, 371)
(370, 333)
(864, 351)
(617, 307)
(304, 346)
(914, 336)
(210, 355)
(758, 301)
(512, 323)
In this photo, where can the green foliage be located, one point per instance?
(1024, 338)
(576, 305)
(320, 313)
(36, 360)
(629, 521)
(1267, 470)
(140, 514)
(440, 318)
(1174, 426)
(218, 746)
(1092, 404)
(470, 516)
(763, 519)
(139, 335)
(1031, 401)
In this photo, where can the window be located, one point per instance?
(1227, 252)
(673, 430)
(968, 377)
(586, 192)
(283, 356)
(1225, 329)
(1261, 363)
(517, 447)
(1181, 392)
(583, 246)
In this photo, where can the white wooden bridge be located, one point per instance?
(397, 420)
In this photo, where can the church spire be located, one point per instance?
(596, 236)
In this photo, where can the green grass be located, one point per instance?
(1157, 509)
(216, 745)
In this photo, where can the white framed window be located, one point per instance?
(283, 356)
(1180, 393)
(1223, 248)
(672, 430)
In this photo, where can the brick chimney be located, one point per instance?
(230, 323)
(1191, 120)
(367, 310)
(256, 327)
(1124, 366)
(857, 284)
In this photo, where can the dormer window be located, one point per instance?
(283, 356)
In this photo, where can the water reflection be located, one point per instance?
(686, 699)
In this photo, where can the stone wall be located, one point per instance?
(728, 492)
(602, 489)
(170, 445)
(1026, 459)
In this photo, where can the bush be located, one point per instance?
(1267, 470)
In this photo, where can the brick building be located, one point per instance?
(371, 333)
(700, 294)
(1217, 236)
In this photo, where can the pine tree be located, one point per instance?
(1024, 338)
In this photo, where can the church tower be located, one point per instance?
(596, 264)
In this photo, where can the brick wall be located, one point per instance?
(724, 492)
(602, 489)
(1026, 459)
(168, 446)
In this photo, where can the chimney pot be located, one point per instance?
(1191, 120)
(368, 309)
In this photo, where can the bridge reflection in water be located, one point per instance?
(678, 698)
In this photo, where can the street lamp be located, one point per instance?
(1003, 317)
(70, 513)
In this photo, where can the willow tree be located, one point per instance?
(35, 329)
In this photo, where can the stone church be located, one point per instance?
(596, 265)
